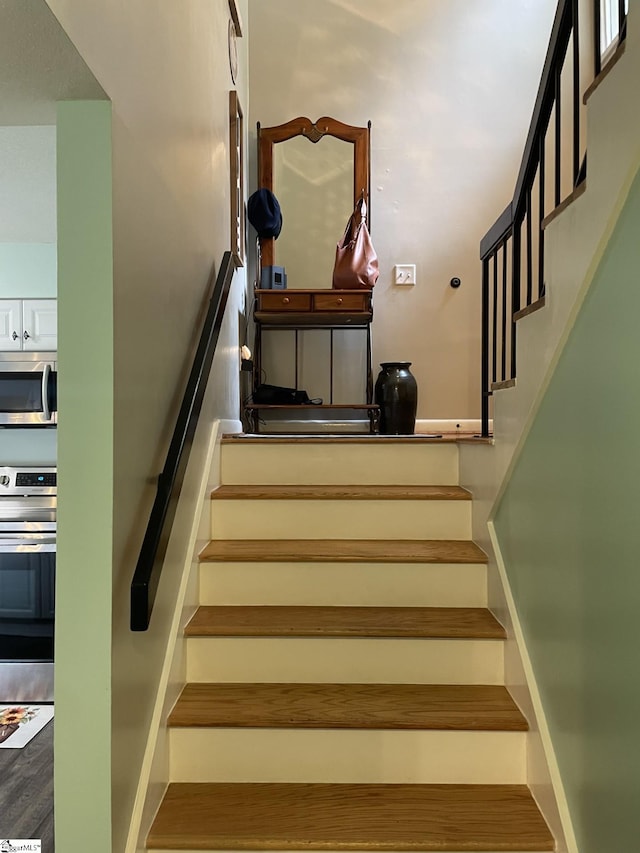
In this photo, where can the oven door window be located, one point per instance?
(27, 606)
(21, 392)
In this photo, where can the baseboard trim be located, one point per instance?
(561, 826)
(229, 426)
(149, 792)
(463, 426)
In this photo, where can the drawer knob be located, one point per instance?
(340, 301)
(285, 300)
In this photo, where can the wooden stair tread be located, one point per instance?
(311, 621)
(344, 551)
(349, 706)
(356, 438)
(287, 816)
(330, 492)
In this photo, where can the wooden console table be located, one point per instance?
(297, 310)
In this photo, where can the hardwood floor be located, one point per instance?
(26, 790)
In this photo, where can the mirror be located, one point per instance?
(317, 172)
(314, 187)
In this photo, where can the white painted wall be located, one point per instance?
(28, 184)
(28, 264)
(28, 211)
(28, 270)
(449, 86)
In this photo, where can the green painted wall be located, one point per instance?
(569, 530)
(82, 759)
(28, 270)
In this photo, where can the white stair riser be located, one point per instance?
(340, 519)
(335, 584)
(349, 756)
(365, 661)
(339, 464)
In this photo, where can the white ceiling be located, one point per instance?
(38, 66)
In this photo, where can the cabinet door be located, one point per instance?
(40, 324)
(10, 324)
(19, 587)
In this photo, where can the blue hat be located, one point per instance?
(264, 213)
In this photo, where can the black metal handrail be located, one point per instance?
(154, 545)
(512, 250)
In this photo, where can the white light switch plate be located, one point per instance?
(404, 274)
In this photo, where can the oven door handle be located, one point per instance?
(27, 545)
(46, 372)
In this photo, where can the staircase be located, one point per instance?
(345, 678)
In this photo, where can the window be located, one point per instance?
(610, 25)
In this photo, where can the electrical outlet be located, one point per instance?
(404, 274)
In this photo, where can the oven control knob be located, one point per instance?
(4, 480)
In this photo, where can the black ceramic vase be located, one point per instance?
(396, 393)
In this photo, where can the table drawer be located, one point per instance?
(285, 301)
(337, 301)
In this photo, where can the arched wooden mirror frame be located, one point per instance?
(359, 137)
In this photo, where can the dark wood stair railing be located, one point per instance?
(154, 545)
(512, 250)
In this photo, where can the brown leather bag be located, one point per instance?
(356, 263)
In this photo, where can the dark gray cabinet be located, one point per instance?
(27, 586)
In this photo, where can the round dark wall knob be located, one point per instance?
(455, 282)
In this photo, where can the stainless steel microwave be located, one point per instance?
(28, 389)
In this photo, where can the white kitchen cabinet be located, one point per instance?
(28, 324)
(39, 324)
(10, 324)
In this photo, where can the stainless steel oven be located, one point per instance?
(28, 389)
(28, 508)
